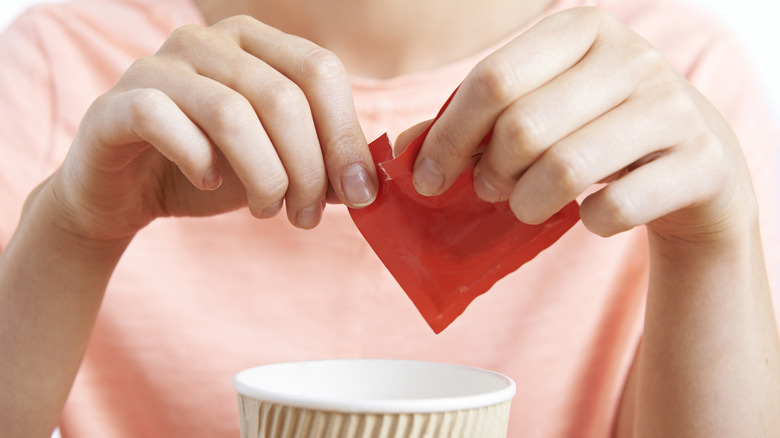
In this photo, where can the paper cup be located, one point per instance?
(372, 398)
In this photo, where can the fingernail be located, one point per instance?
(486, 191)
(212, 179)
(272, 211)
(357, 185)
(428, 177)
(310, 216)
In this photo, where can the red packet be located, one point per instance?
(446, 250)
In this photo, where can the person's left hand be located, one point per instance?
(578, 100)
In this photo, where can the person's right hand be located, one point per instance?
(220, 117)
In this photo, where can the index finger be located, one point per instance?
(526, 63)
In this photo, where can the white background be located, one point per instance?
(755, 21)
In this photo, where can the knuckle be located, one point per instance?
(651, 63)
(239, 21)
(568, 170)
(594, 19)
(267, 191)
(342, 139)
(228, 113)
(184, 37)
(641, 59)
(282, 95)
(309, 186)
(448, 147)
(314, 178)
(275, 185)
(602, 18)
(495, 80)
(673, 99)
(521, 130)
(651, 56)
(319, 64)
(144, 63)
(145, 71)
(145, 107)
(673, 95)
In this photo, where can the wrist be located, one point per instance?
(55, 226)
(728, 226)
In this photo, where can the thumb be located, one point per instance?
(405, 138)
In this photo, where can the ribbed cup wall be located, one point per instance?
(269, 420)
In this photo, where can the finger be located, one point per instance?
(150, 116)
(283, 112)
(646, 194)
(231, 123)
(323, 80)
(522, 132)
(285, 115)
(528, 62)
(331, 197)
(405, 138)
(604, 147)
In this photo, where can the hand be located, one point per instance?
(220, 117)
(580, 99)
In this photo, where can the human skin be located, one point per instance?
(709, 361)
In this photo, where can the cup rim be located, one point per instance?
(502, 388)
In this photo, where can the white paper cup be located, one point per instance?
(372, 398)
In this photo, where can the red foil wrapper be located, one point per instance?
(446, 250)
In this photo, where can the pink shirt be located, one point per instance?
(194, 301)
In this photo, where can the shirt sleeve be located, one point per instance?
(25, 117)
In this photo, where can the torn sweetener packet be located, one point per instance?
(446, 250)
